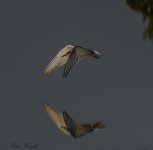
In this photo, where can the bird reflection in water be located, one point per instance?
(145, 7)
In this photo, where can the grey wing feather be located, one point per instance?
(70, 123)
(76, 129)
(76, 55)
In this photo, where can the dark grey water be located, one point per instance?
(117, 90)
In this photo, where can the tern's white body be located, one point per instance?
(69, 126)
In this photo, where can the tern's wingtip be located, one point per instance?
(46, 72)
(44, 103)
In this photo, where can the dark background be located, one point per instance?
(117, 90)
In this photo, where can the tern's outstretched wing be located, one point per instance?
(76, 129)
(59, 60)
(70, 123)
(76, 55)
(57, 117)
